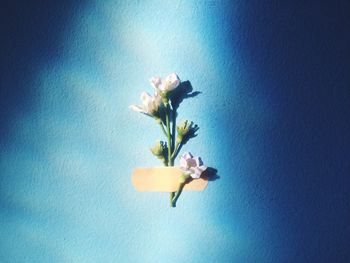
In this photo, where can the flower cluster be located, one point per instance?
(192, 166)
(151, 105)
(159, 106)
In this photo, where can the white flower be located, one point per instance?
(155, 82)
(192, 165)
(150, 104)
(165, 85)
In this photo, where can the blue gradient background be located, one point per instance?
(273, 112)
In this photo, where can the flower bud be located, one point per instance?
(159, 150)
(184, 129)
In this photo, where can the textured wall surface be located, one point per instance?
(273, 113)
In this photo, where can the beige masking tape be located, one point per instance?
(163, 179)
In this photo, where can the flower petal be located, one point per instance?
(191, 162)
(157, 98)
(172, 81)
(145, 98)
(203, 168)
(183, 163)
(196, 173)
(187, 155)
(136, 108)
(198, 160)
(155, 82)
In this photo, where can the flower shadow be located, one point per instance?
(183, 91)
(191, 134)
(210, 174)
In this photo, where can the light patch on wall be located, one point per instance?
(90, 141)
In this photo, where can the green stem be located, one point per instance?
(172, 203)
(173, 117)
(184, 179)
(170, 161)
(177, 195)
(169, 138)
(163, 130)
(173, 156)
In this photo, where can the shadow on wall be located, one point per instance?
(182, 92)
(211, 174)
(298, 55)
(31, 35)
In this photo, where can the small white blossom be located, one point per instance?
(150, 104)
(155, 82)
(192, 166)
(167, 84)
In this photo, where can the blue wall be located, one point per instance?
(273, 113)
